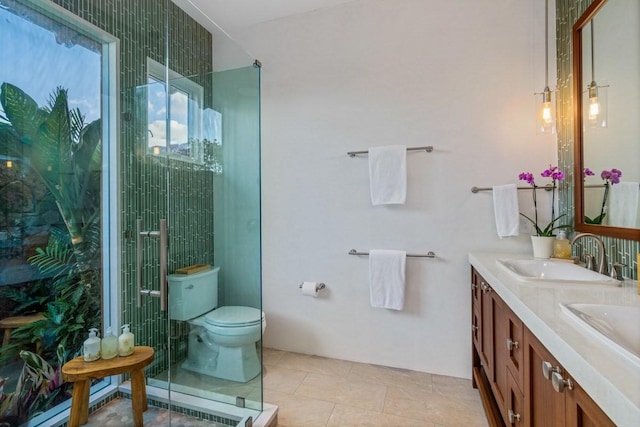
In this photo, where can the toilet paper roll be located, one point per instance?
(310, 289)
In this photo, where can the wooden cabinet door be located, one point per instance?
(500, 354)
(515, 403)
(543, 406)
(514, 345)
(476, 311)
(486, 326)
(581, 411)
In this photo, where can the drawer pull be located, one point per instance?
(548, 369)
(485, 288)
(513, 417)
(512, 345)
(560, 383)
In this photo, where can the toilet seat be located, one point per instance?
(234, 317)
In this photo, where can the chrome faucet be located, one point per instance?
(601, 265)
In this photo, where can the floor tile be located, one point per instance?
(300, 411)
(359, 394)
(271, 357)
(437, 409)
(283, 379)
(313, 391)
(391, 376)
(346, 416)
(450, 386)
(315, 364)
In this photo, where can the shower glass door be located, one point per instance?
(192, 148)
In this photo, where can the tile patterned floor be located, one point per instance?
(315, 391)
(118, 414)
(319, 392)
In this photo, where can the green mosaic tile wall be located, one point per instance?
(567, 13)
(151, 189)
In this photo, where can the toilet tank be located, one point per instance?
(192, 295)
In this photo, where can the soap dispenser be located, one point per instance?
(91, 347)
(561, 246)
(125, 342)
(109, 345)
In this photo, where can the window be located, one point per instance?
(174, 129)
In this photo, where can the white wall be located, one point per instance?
(458, 75)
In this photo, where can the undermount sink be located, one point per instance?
(617, 326)
(554, 271)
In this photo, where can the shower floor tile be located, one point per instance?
(118, 413)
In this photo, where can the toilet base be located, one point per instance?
(235, 363)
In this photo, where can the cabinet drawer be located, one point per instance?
(515, 347)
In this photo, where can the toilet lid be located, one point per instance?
(235, 316)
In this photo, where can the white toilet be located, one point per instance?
(222, 340)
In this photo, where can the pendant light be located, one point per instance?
(596, 110)
(545, 114)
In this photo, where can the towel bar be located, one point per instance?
(547, 187)
(428, 149)
(429, 254)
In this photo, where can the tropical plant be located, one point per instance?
(65, 153)
(40, 387)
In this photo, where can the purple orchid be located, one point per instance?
(612, 176)
(556, 175)
(588, 172)
(527, 176)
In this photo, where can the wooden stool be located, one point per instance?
(81, 373)
(10, 323)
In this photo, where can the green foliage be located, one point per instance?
(29, 299)
(65, 153)
(596, 220)
(549, 229)
(40, 387)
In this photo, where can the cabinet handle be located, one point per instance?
(485, 288)
(548, 369)
(513, 417)
(474, 286)
(474, 328)
(560, 383)
(511, 345)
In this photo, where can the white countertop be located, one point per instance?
(611, 380)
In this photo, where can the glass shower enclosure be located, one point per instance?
(161, 174)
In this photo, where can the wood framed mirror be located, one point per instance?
(606, 46)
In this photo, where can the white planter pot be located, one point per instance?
(542, 246)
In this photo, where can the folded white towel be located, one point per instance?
(388, 174)
(505, 207)
(386, 278)
(623, 204)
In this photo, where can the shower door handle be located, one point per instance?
(164, 249)
(162, 234)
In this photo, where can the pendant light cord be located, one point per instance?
(546, 43)
(593, 72)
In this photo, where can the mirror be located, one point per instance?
(606, 97)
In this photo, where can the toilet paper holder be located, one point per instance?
(319, 286)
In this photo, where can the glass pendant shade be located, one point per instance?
(595, 106)
(545, 117)
(546, 114)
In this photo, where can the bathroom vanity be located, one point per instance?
(534, 365)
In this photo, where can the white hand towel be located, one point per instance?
(505, 207)
(623, 204)
(386, 278)
(388, 174)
